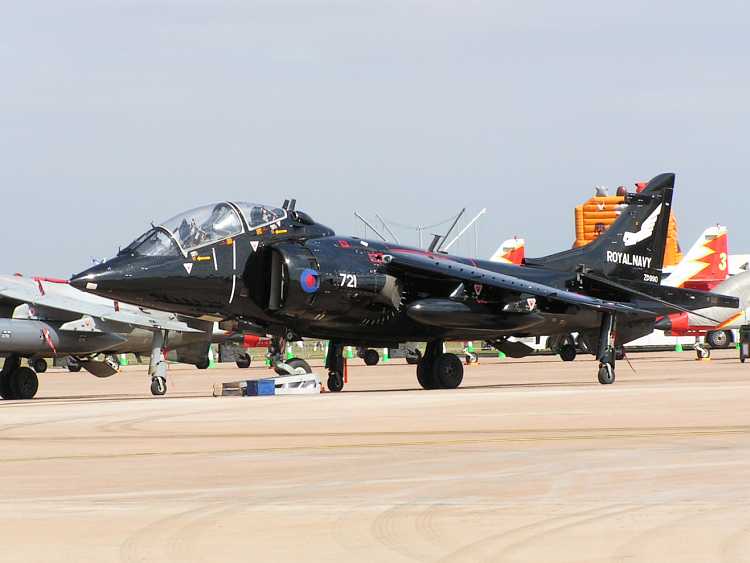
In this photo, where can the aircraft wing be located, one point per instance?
(18, 293)
(445, 267)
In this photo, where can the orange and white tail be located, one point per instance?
(705, 264)
(512, 251)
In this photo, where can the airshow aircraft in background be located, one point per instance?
(511, 251)
(41, 318)
(717, 332)
(705, 265)
(292, 277)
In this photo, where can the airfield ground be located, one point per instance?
(530, 460)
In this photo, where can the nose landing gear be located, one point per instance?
(157, 366)
(335, 364)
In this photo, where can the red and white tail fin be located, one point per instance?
(705, 264)
(512, 251)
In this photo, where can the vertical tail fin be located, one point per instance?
(632, 249)
(511, 251)
(705, 265)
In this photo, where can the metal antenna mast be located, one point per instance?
(466, 228)
(387, 228)
(373, 229)
(448, 232)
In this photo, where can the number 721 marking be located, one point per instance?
(348, 280)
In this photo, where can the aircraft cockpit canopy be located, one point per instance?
(258, 215)
(202, 226)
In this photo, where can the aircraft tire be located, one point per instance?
(371, 357)
(568, 352)
(299, 363)
(606, 374)
(426, 376)
(203, 364)
(158, 386)
(24, 383)
(702, 353)
(719, 339)
(335, 381)
(39, 365)
(293, 363)
(74, 365)
(6, 389)
(244, 361)
(448, 371)
(12, 363)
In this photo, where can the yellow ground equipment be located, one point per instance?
(596, 214)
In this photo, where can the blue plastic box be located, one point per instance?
(256, 387)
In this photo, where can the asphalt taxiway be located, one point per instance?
(531, 460)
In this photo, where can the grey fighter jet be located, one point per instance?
(42, 318)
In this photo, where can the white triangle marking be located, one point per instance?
(188, 267)
(254, 244)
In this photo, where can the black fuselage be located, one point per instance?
(260, 277)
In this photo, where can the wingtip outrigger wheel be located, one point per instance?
(607, 353)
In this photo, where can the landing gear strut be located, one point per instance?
(17, 382)
(157, 367)
(607, 354)
(335, 364)
(439, 370)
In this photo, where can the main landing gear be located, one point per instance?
(439, 370)
(607, 353)
(17, 382)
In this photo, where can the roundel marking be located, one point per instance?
(309, 280)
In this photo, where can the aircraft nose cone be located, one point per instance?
(98, 279)
(83, 282)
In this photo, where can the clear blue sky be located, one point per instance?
(118, 113)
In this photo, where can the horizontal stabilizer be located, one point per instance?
(677, 299)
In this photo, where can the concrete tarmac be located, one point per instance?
(531, 460)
